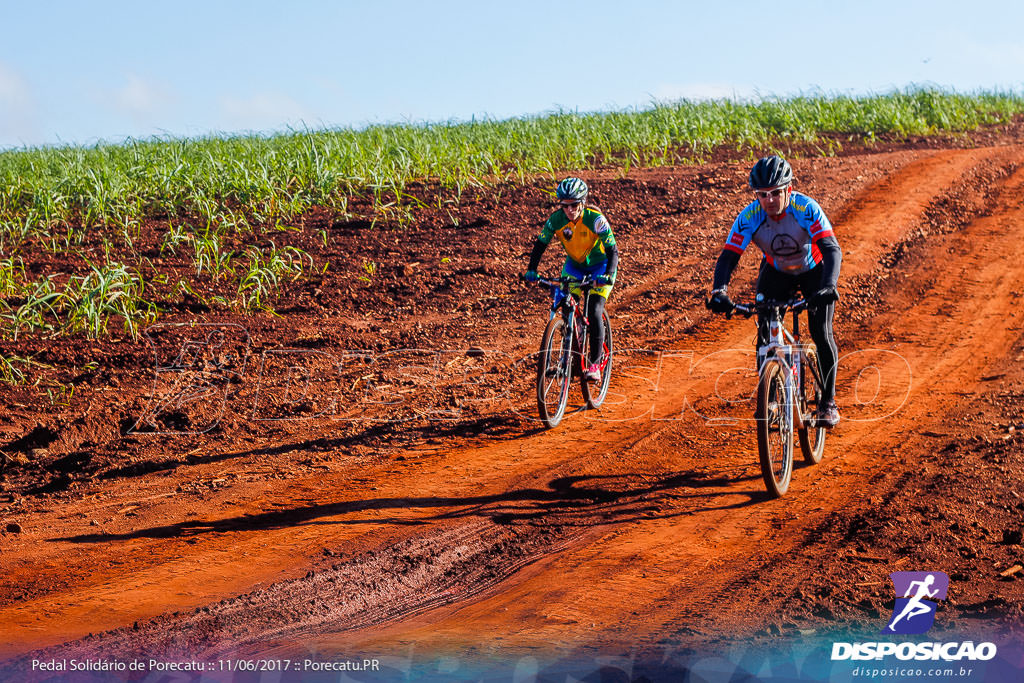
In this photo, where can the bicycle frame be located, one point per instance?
(564, 350)
(785, 347)
(573, 310)
(783, 410)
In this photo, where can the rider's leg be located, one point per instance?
(595, 316)
(819, 324)
(595, 306)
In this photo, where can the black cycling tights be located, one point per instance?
(595, 321)
(780, 287)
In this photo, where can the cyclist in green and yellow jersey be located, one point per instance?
(590, 249)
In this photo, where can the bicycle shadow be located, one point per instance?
(490, 427)
(582, 500)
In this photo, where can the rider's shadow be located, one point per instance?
(575, 500)
(583, 501)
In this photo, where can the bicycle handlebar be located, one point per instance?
(585, 283)
(795, 305)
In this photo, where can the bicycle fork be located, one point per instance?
(783, 355)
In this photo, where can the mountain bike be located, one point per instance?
(789, 392)
(564, 350)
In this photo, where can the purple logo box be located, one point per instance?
(914, 611)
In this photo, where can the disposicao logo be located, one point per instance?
(914, 612)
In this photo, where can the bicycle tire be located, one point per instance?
(774, 429)
(812, 436)
(554, 369)
(592, 398)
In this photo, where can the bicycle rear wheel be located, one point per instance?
(774, 429)
(594, 392)
(812, 436)
(553, 372)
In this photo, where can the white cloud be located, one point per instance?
(17, 109)
(265, 111)
(142, 100)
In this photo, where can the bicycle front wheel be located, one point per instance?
(594, 392)
(812, 436)
(774, 429)
(554, 370)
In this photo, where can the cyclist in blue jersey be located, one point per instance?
(800, 253)
(590, 250)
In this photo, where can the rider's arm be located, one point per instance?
(603, 230)
(547, 232)
(823, 237)
(727, 261)
(612, 251)
(538, 251)
(831, 259)
(736, 243)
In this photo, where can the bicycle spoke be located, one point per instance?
(812, 436)
(553, 373)
(775, 428)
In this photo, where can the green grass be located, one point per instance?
(10, 373)
(83, 304)
(210, 255)
(12, 274)
(247, 180)
(108, 291)
(264, 271)
(240, 190)
(13, 369)
(36, 306)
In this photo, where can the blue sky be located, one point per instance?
(81, 72)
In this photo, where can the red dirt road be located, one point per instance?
(641, 529)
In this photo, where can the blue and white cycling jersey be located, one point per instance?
(789, 243)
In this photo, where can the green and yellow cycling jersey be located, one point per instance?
(585, 240)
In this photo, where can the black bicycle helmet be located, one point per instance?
(770, 171)
(571, 189)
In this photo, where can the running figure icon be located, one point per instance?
(914, 606)
(916, 593)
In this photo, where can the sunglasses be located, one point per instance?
(569, 205)
(767, 194)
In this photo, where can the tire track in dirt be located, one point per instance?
(488, 488)
(947, 352)
(569, 599)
